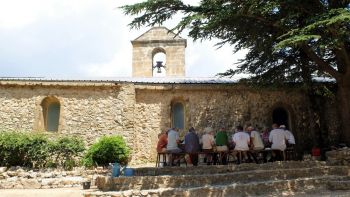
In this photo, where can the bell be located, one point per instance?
(159, 65)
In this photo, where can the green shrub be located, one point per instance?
(23, 149)
(66, 150)
(36, 150)
(108, 149)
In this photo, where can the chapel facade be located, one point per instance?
(138, 108)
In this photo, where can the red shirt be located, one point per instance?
(162, 142)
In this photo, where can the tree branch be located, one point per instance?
(343, 59)
(342, 55)
(322, 65)
(263, 20)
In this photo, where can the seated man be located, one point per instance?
(161, 145)
(241, 140)
(208, 143)
(221, 141)
(265, 136)
(278, 139)
(256, 143)
(192, 146)
(290, 136)
(162, 141)
(255, 139)
(172, 146)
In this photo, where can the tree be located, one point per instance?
(288, 40)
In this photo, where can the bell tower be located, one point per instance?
(158, 52)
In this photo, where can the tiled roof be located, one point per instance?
(154, 80)
(137, 80)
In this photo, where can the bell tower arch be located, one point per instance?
(158, 51)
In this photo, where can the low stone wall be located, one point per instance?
(339, 157)
(21, 178)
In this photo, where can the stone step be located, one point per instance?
(184, 181)
(286, 187)
(219, 169)
(339, 184)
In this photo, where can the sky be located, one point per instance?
(85, 39)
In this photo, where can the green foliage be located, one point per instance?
(327, 23)
(324, 91)
(65, 151)
(287, 41)
(37, 151)
(23, 149)
(108, 149)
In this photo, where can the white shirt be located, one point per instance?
(290, 137)
(241, 139)
(257, 141)
(173, 137)
(207, 141)
(278, 139)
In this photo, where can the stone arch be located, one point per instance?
(159, 56)
(178, 114)
(282, 113)
(51, 108)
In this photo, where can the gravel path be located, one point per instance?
(58, 192)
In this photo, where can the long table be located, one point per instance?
(288, 154)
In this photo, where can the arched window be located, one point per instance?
(158, 58)
(51, 113)
(178, 115)
(280, 116)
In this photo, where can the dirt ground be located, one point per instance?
(59, 192)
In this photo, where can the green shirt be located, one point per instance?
(221, 138)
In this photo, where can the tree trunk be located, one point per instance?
(344, 109)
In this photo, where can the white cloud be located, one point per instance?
(118, 66)
(22, 13)
(84, 38)
(17, 13)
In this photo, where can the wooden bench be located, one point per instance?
(158, 161)
(164, 156)
(235, 156)
(290, 153)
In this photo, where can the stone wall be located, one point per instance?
(139, 111)
(339, 156)
(21, 178)
(210, 105)
(86, 111)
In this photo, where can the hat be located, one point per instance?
(208, 130)
(283, 126)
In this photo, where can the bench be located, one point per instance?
(163, 157)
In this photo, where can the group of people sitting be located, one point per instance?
(241, 141)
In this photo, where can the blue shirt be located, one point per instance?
(191, 143)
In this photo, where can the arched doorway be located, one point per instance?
(281, 117)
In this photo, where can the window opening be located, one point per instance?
(178, 116)
(51, 113)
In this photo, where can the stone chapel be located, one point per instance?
(138, 108)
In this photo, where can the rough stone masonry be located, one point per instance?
(139, 108)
